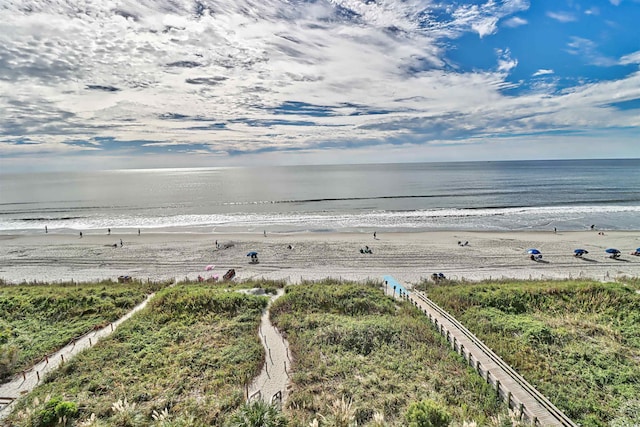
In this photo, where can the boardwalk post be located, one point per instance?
(498, 387)
(478, 366)
(38, 375)
(509, 399)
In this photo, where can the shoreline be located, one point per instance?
(408, 256)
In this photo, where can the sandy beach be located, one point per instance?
(409, 257)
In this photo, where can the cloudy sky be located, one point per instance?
(171, 83)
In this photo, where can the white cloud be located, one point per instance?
(514, 22)
(542, 72)
(562, 16)
(632, 58)
(505, 62)
(268, 74)
(588, 50)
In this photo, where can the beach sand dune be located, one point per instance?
(410, 257)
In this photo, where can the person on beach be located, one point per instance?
(374, 234)
(45, 230)
(81, 234)
(120, 242)
(265, 233)
(109, 231)
(138, 231)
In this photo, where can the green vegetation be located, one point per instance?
(427, 414)
(184, 360)
(578, 342)
(257, 414)
(38, 319)
(358, 356)
(361, 357)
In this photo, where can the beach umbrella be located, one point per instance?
(210, 267)
(533, 252)
(581, 251)
(612, 251)
(252, 253)
(637, 249)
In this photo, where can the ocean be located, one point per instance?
(501, 195)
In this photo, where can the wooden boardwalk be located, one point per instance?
(519, 395)
(22, 384)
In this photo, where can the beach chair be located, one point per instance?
(230, 274)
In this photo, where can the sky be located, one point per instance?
(116, 84)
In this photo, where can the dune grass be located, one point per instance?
(578, 342)
(183, 360)
(360, 356)
(38, 319)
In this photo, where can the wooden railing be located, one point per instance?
(473, 360)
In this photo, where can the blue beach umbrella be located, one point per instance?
(581, 251)
(533, 252)
(252, 253)
(637, 249)
(612, 251)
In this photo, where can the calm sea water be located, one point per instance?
(517, 195)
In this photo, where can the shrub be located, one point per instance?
(427, 414)
(54, 411)
(8, 359)
(257, 414)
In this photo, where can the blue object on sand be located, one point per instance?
(393, 283)
(252, 253)
(533, 251)
(612, 251)
(581, 251)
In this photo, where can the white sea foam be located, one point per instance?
(568, 217)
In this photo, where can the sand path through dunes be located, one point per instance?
(21, 384)
(271, 385)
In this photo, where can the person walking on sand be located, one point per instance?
(109, 231)
(138, 231)
(46, 230)
(374, 234)
(81, 234)
(120, 242)
(265, 233)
